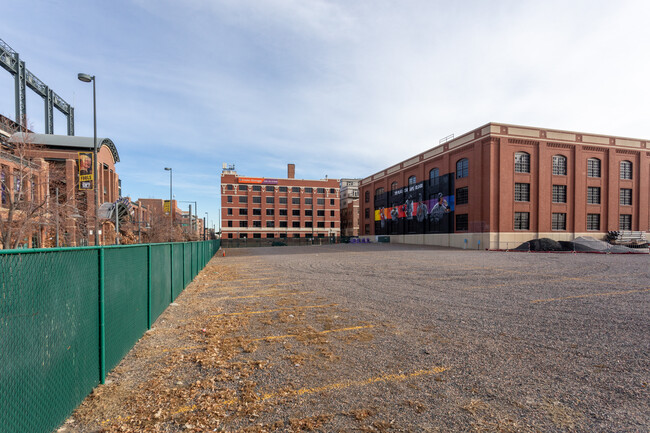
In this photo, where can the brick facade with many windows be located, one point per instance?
(508, 184)
(279, 208)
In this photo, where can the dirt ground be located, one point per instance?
(378, 338)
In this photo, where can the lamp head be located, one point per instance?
(85, 78)
(168, 169)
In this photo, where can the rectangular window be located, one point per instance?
(243, 236)
(625, 222)
(257, 188)
(243, 223)
(320, 213)
(229, 187)
(522, 192)
(295, 189)
(257, 224)
(332, 213)
(295, 200)
(331, 202)
(229, 235)
(270, 224)
(332, 224)
(558, 221)
(593, 195)
(243, 211)
(332, 191)
(270, 235)
(269, 188)
(309, 224)
(283, 224)
(625, 197)
(593, 167)
(522, 221)
(270, 200)
(462, 195)
(270, 212)
(257, 211)
(308, 190)
(257, 235)
(229, 223)
(320, 201)
(257, 200)
(295, 224)
(229, 211)
(283, 212)
(283, 200)
(593, 221)
(243, 187)
(320, 190)
(229, 199)
(321, 224)
(367, 213)
(309, 212)
(462, 222)
(308, 200)
(295, 212)
(559, 193)
(283, 189)
(243, 199)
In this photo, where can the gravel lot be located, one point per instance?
(376, 338)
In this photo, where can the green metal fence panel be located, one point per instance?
(178, 283)
(195, 259)
(49, 347)
(125, 300)
(160, 279)
(187, 263)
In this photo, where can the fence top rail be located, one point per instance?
(70, 249)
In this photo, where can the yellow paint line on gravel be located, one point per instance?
(265, 295)
(331, 387)
(274, 310)
(590, 295)
(281, 337)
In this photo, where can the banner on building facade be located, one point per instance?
(85, 163)
(260, 180)
(424, 207)
(167, 206)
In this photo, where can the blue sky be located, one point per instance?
(339, 88)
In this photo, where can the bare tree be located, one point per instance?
(24, 189)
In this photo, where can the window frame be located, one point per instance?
(522, 162)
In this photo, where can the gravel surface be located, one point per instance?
(376, 338)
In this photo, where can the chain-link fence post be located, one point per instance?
(102, 332)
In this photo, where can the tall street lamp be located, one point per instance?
(171, 220)
(87, 79)
(205, 233)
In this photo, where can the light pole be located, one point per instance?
(171, 219)
(87, 79)
(205, 233)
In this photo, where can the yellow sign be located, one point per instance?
(166, 206)
(86, 177)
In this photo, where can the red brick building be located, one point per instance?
(254, 207)
(500, 185)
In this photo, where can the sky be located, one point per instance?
(339, 88)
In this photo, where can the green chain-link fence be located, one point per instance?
(69, 315)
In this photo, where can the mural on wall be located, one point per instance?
(425, 207)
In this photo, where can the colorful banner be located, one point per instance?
(259, 180)
(434, 209)
(85, 163)
(166, 206)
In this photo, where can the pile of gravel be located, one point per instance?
(581, 244)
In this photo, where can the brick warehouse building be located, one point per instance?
(500, 185)
(253, 207)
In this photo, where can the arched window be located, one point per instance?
(367, 196)
(559, 165)
(522, 162)
(626, 170)
(462, 168)
(379, 191)
(394, 186)
(593, 167)
(412, 180)
(434, 173)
